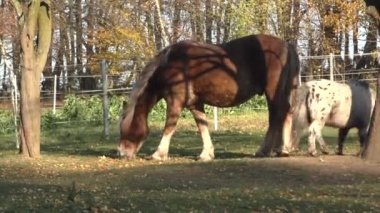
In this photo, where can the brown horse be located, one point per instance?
(190, 74)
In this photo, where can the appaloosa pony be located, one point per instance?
(190, 74)
(324, 102)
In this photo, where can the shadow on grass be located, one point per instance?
(238, 186)
(83, 141)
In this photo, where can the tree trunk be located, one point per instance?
(161, 39)
(208, 21)
(35, 43)
(372, 146)
(198, 21)
(176, 22)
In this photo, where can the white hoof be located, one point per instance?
(160, 156)
(313, 153)
(206, 157)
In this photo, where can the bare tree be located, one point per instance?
(36, 31)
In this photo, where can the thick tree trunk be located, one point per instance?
(35, 44)
(372, 146)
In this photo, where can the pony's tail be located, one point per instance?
(301, 113)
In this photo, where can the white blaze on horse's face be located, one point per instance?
(128, 149)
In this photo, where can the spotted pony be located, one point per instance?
(323, 102)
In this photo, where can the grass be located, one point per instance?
(78, 172)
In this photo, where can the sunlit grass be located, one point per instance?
(79, 172)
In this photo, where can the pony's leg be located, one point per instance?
(314, 131)
(322, 144)
(173, 112)
(363, 134)
(341, 137)
(207, 153)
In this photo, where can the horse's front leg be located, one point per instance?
(199, 115)
(173, 112)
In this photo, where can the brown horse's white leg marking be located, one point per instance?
(207, 153)
(174, 108)
(208, 148)
(163, 149)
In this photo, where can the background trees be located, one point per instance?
(131, 32)
(128, 33)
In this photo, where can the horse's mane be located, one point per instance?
(140, 86)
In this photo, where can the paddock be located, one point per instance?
(79, 172)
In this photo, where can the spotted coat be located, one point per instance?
(323, 102)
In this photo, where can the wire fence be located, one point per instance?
(80, 80)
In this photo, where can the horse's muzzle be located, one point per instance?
(124, 154)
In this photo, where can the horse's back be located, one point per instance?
(221, 75)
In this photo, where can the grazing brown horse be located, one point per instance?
(190, 74)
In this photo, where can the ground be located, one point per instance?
(79, 172)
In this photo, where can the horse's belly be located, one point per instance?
(224, 97)
(339, 117)
(223, 91)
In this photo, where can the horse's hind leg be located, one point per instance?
(273, 137)
(201, 120)
(341, 137)
(173, 112)
(288, 135)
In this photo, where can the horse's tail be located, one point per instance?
(293, 66)
(142, 83)
(289, 75)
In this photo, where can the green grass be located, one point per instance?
(78, 172)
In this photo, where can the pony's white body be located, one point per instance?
(323, 102)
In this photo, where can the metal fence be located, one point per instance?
(84, 82)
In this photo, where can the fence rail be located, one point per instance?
(54, 88)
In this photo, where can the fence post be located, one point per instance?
(105, 98)
(215, 118)
(14, 92)
(55, 94)
(331, 66)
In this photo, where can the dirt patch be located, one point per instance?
(332, 164)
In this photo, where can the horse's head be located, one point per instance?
(128, 148)
(133, 131)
